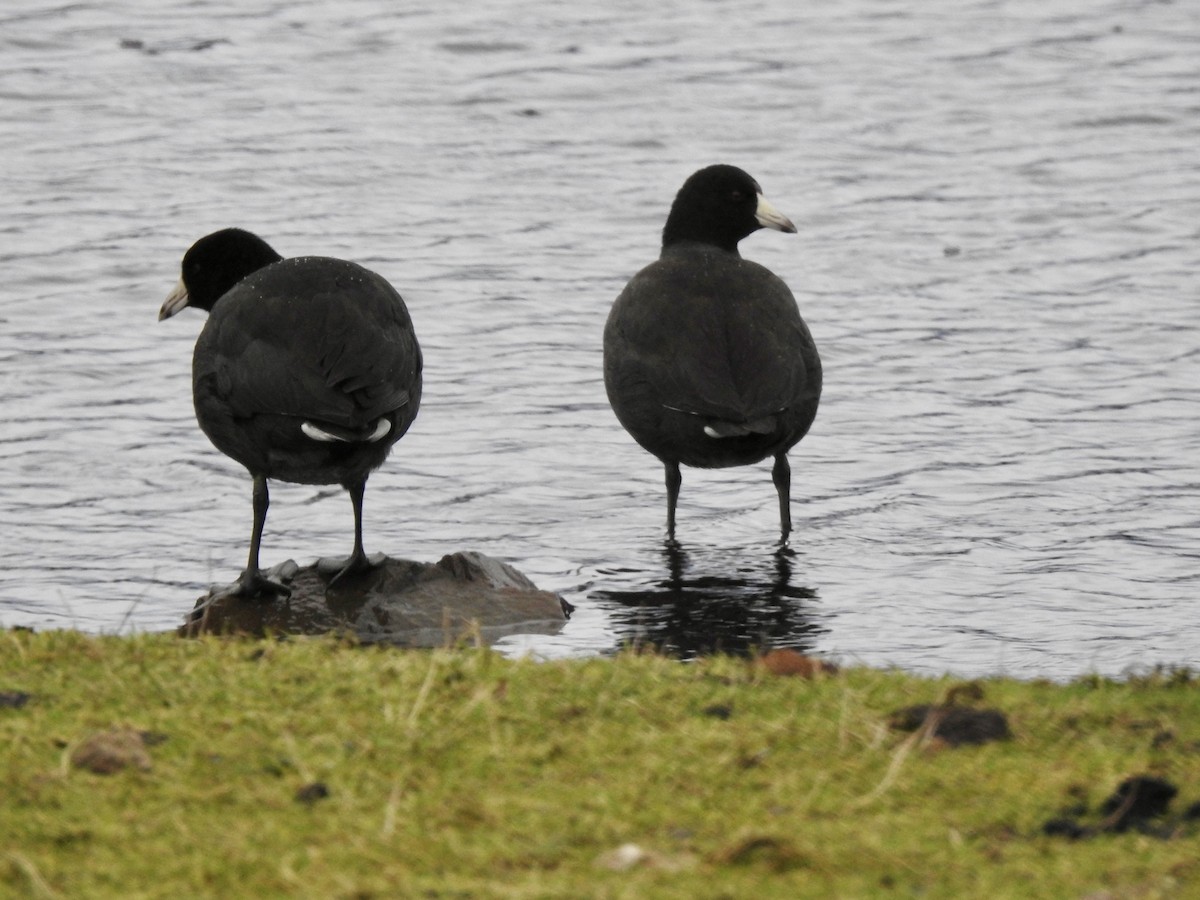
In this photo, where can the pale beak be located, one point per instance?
(769, 217)
(176, 300)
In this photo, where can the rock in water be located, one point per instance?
(401, 602)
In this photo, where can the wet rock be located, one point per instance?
(401, 602)
(954, 725)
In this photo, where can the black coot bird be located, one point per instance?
(307, 370)
(706, 360)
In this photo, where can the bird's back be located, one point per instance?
(703, 338)
(307, 339)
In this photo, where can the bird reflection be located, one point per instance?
(692, 614)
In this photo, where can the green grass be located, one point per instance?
(458, 773)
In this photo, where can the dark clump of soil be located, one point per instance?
(718, 711)
(1139, 803)
(954, 725)
(1064, 827)
(13, 699)
(311, 793)
(1136, 801)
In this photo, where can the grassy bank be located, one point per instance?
(309, 768)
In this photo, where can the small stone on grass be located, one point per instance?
(108, 752)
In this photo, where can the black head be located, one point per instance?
(213, 265)
(720, 205)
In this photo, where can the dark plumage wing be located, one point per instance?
(712, 335)
(318, 339)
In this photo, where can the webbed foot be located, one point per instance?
(256, 586)
(250, 586)
(338, 570)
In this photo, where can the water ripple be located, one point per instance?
(996, 255)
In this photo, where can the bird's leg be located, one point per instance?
(358, 561)
(252, 582)
(781, 474)
(674, 479)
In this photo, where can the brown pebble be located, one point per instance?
(770, 852)
(111, 751)
(790, 663)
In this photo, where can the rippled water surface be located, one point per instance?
(999, 214)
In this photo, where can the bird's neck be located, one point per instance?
(676, 246)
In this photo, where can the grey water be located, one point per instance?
(998, 254)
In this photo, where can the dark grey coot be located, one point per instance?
(707, 362)
(307, 370)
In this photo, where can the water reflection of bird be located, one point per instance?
(706, 359)
(307, 370)
(689, 614)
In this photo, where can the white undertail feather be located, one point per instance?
(719, 430)
(382, 427)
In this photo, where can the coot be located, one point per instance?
(307, 370)
(706, 359)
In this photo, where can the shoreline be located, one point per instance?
(319, 767)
